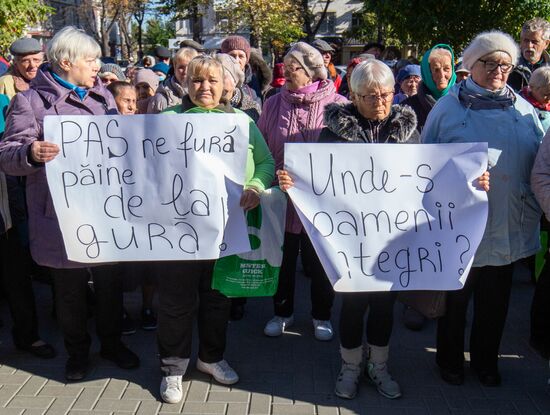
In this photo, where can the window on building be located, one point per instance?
(328, 26)
(222, 20)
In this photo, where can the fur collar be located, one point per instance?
(344, 120)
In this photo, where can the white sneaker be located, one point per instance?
(323, 330)
(347, 381)
(220, 371)
(277, 325)
(378, 373)
(171, 390)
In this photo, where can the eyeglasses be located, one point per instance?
(375, 98)
(490, 66)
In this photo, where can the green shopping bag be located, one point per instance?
(256, 273)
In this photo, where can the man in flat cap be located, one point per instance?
(326, 51)
(27, 57)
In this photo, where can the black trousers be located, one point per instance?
(322, 294)
(185, 290)
(379, 321)
(16, 279)
(540, 313)
(490, 287)
(72, 307)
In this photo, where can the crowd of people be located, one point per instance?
(497, 92)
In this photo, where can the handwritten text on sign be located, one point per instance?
(391, 216)
(149, 187)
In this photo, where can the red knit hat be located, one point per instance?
(278, 75)
(236, 43)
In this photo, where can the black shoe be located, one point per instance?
(490, 379)
(128, 324)
(44, 351)
(237, 312)
(121, 356)
(76, 368)
(148, 319)
(451, 377)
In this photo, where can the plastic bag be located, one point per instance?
(256, 273)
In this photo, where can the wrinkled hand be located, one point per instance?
(285, 181)
(250, 199)
(43, 151)
(482, 182)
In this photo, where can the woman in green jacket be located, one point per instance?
(179, 301)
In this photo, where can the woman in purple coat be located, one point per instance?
(295, 115)
(67, 85)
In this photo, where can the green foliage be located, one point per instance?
(270, 22)
(367, 30)
(428, 22)
(16, 15)
(158, 32)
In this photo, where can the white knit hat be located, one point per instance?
(310, 59)
(232, 67)
(489, 42)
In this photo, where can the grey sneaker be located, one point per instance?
(347, 381)
(220, 371)
(378, 373)
(323, 330)
(277, 325)
(171, 390)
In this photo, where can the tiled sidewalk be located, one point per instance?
(292, 375)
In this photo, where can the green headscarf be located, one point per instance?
(427, 74)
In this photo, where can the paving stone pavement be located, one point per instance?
(291, 375)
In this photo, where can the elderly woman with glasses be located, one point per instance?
(483, 108)
(295, 115)
(369, 118)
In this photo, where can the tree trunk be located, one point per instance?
(196, 21)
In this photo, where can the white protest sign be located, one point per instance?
(391, 216)
(149, 187)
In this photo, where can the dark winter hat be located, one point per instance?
(322, 46)
(409, 70)
(374, 45)
(114, 69)
(189, 43)
(161, 67)
(236, 43)
(162, 52)
(310, 59)
(25, 46)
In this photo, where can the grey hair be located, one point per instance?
(71, 44)
(185, 52)
(536, 24)
(440, 53)
(372, 74)
(540, 78)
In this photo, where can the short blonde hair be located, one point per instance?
(71, 44)
(186, 52)
(202, 64)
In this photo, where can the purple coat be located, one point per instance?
(24, 124)
(295, 117)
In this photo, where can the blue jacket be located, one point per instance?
(513, 135)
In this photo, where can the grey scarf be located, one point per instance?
(475, 97)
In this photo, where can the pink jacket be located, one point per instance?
(295, 117)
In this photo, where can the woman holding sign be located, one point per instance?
(185, 288)
(295, 115)
(483, 108)
(369, 118)
(67, 85)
